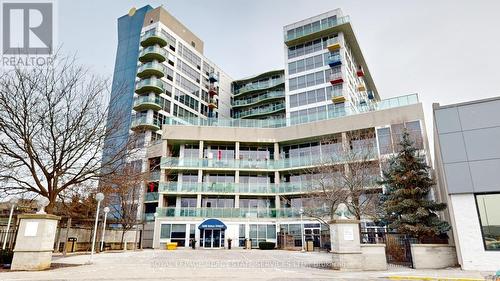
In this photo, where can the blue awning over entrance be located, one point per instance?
(212, 223)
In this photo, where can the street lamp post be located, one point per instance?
(13, 202)
(301, 212)
(99, 197)
(106, 211)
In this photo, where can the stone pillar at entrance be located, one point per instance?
(35, 242)
(345, 241)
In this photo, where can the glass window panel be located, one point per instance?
(489, 215)
(165, 230)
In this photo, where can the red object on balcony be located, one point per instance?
(360, 72)
(336, 80)
(212, 90)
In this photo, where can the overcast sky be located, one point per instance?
(446, 51)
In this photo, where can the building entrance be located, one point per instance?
(212, 234)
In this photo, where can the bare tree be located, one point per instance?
(53, 124)
(123, 192)
(347, 173)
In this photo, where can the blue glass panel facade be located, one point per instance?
(122, 91)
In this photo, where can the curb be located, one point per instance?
(428, 278)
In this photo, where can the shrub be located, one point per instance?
(266, 245)
(6, 256)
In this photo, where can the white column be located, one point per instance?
(237, 150)
(237, 201)
(201, 150)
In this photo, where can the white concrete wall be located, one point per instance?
(468, 237)
(433, 256)
(374, 257)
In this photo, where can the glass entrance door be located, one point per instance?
(216, 238)
(213, 238)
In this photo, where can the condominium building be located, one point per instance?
(233, 160)
(467, 155)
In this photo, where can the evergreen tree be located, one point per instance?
(406, 204)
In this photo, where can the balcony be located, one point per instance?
(377, 105)
(231, 212)
(333, 44)
(149, 216)
(336, 78)
(151, 197)
(260, 111)
(142, 103)
(151, 69)
(361, 88)
(150, 85)
(143, 123)
(206, 187)
(338, 97)
(213, 90)
(314, 30)
(334, 60)
(153, 37)
(360, 72)
(212, 104)
(258, 86)
(152, 53)
(213, 77)
(260, 98)
(257, 165)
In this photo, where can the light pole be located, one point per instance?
(13, 202)
(106, 211)
(99, 197)
(301, 212)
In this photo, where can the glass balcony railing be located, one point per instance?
(260, 98)
(149, 216)
(230, 212)
(142, 103)
(143, 123)
(260, 86)
(260, 111)
(151, 69)
(334, 60)
(287, 163)
(314, 27)
(153, 53)
(150, 85)
(151, 196)
(285, 122)
(206, 187)
(153, 37)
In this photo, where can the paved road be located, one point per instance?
(208, 265)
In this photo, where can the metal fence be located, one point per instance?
(398, 246)
(11, 237)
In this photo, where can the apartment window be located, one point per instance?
(489, 217)
(189, 86)
(187, 100)
(189, 56)
(188, 71)
(384, 140)
(261, 233)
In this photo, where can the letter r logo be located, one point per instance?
(27, 28)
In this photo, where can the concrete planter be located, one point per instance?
(374, 257)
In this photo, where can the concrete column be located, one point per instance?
(345, 142)
(177, 206)
(277, 202)
(201, 150)
(35, 242)
(237, 176)
(237, 150)
(198, 201)
(277, 151)
(237, 201)
(181, 151)
(346, 244)
(156, 234)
